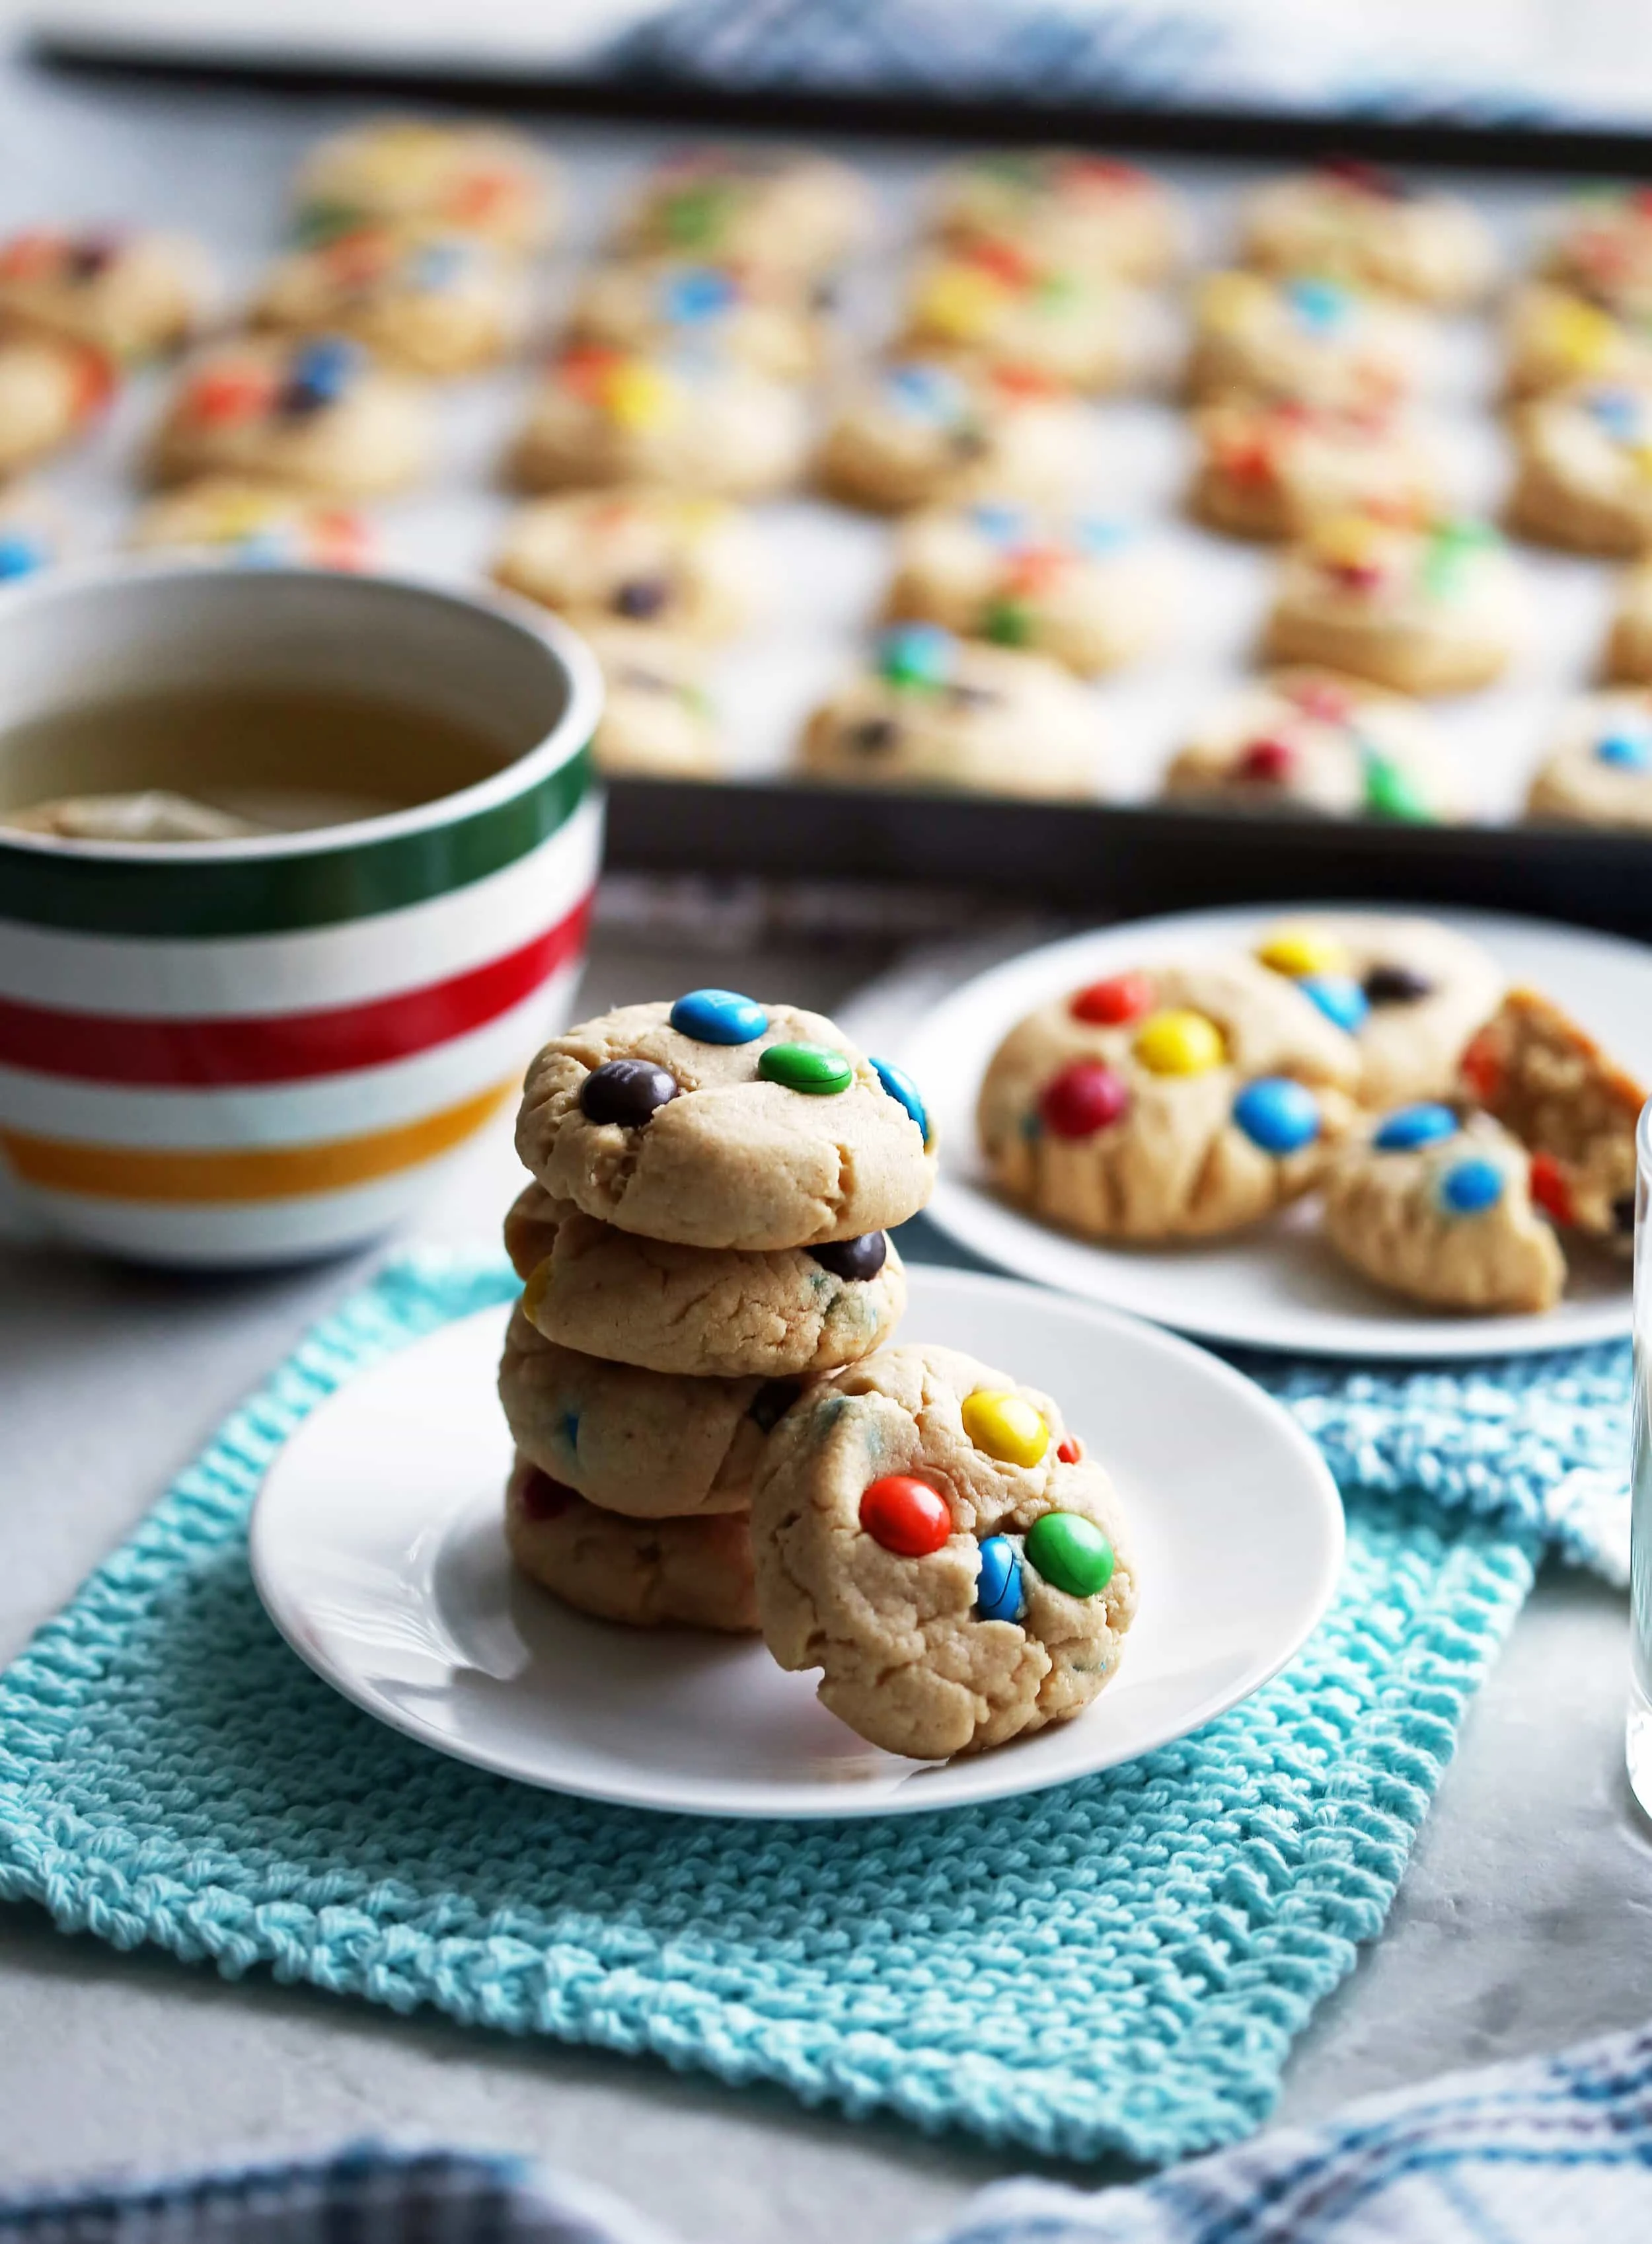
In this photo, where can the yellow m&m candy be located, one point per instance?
(959, 302)
(1297, 951)
(636, 396)
(1180, 1043)
(1006, 1426)
(1579, 334)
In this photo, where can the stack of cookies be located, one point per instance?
(703, 1235)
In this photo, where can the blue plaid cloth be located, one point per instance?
(1543, 2152)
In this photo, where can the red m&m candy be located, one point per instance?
(1070, 1450)
(906, 1515)
(1084, 1097)
(1268, 761)
(1550, 1187)
(1109, 1004)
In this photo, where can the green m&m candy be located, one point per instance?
(813, 1068)
(1391, 793)
(1070, 1552)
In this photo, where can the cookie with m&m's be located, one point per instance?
(781, 210)
(1065, 206)
(1409, 991)
(1319, 342)
(314, 413)
(996, 301)
(765, 319)
(1553, 337)
(721, 1121)
(1174, 1101)
(664, 558)
(479, 180)
(427, 301)
(1435, 1202)
(1271, 467)
(922, 431)
(1599, 247)
(685, 419)
(1434, 607)
(50, 390)
(929, 1534)
(689, 1572)
(128, 294)
(1089, 588)
(1360, 222)
(256, 523)
(658, 717)
(1569, 1104)
(1314, 742)
(703, 1312)
(933, 710)
(1599, 770)
(1583, 474)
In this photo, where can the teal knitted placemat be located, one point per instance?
(1116, 1965)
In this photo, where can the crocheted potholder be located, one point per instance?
(1119, 1964)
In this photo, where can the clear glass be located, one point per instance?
(1638, 1742)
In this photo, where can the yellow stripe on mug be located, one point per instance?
(245, 1173)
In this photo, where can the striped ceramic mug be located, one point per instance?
(258, 1050)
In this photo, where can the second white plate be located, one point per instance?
(378, 1548)
(1276, 1286)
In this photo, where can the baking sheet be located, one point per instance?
(217, 163)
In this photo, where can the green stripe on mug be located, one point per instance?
(277, 892)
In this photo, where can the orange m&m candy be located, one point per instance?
(1109, 1004)
(906, 1515)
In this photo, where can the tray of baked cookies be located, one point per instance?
(1116, 533)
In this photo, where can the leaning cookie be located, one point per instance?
(928, 1534)
(1572, 1107)
(128, 295)
(1067, 205)
(1437, 1206)
(1584, 474)
(922, 432)
(313, 415)
(429, 302)
(935, 711)
(245, 521)
(1314, 742)
(681, 563)
(1410, 992)
(707, 1313)
(658, 720)
(720, 1122)
(1087, 588)
(646, 1443)
(477, 179)
(1355, 221)
(684, 418)
(1314, 342)
(1434, 608)
(655, 1573)
(1599, 772)
(1179, 1102)
(1272, 468)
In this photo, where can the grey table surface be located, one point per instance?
(1525, 1921)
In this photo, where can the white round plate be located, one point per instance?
(377, 1550)
(1278, 1286)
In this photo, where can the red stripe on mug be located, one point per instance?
(151, 1054)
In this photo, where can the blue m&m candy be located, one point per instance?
(321, 374)
(1099, 533)
(1470, 1187)
(1277, 1115)
(1004, 525)
(1340, 998)
(1318, 304)
(702, 293)
(998, 1588)
(19, 556)
(1624, 751)
(1410, 1127)
(905, 1093)
(718, 1017)
(930, 393)
(916, 654)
